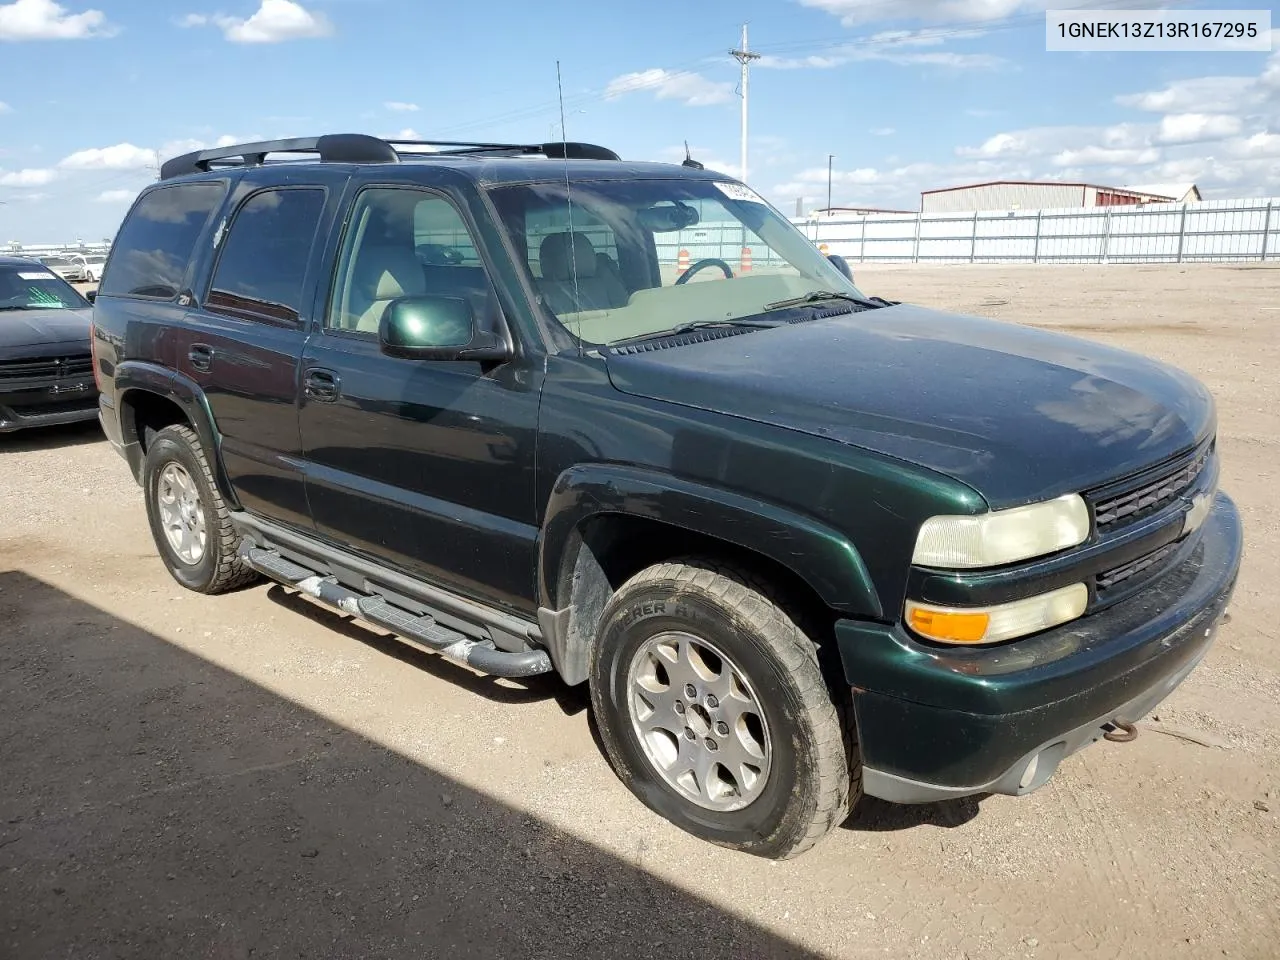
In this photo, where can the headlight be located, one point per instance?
(1002, 536)
(971, 625)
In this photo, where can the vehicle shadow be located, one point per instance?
(47, 438)
(508, 691)
(156, 805)
(874, 815)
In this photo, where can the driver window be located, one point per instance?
(404, 243)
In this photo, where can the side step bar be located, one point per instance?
(477, 654)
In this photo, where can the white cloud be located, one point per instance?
(1093, 156)
(882, 131)
(998, 145)
(398, 106)
(853, 12)
(691, 89)
(174, 148)
(46, 20)
(122, 156)
(33, 177)
(5, 108)
(1198, 95)
(115, 196)
(274, 22)
(1197, 127)
(407, 133)
(900, 47)
(1260, 145)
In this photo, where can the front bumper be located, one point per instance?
(935, 724)
(45, 404)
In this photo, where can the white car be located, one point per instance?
(76, 267)
(93, 264)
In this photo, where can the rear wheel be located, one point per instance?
(189, 521)
(715, 712)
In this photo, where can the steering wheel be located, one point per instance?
(702, 264)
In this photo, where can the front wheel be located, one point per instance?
(714, 711)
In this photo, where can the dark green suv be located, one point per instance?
(543, 410)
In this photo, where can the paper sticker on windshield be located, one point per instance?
(37, 276)
(736, 191)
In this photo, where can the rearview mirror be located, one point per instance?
(91, 295)
(437, 328)
(842, 265)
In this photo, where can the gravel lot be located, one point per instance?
(249, 775)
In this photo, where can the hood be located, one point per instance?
(42, 327)
(1019, 414)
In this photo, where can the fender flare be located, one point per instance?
(135, 376)
(823, 557)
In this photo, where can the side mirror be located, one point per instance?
(91, 295)
(437, 328)
(842, 265)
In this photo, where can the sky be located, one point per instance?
(907, 95)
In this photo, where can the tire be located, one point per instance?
(722, 624)
(175, 453)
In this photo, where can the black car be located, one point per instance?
(46, 372)
(803, 544)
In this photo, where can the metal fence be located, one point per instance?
(1209, 231)
(1216, 230)
(49, 249)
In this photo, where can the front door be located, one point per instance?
(425, 465)
(243, 339)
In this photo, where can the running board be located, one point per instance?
(478, 654)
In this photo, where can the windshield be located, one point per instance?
(630, 258)
(55, 261)
(33, 287)
(95, 258)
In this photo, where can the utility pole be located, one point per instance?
(830, 157)
(744, 57)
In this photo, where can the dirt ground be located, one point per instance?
(248, 775)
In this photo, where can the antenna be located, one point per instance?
(688, 159)
(744, 57)
(568, 195)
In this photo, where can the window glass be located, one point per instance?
(405, 243)
(439, 235)
(540, 222)
(149, 257)
(688, 250)
(31, 286)
(264, 257)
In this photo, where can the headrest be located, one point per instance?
(385, 273)
(563, 253)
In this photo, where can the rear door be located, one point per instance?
(244, 334)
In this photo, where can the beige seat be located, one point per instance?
(382, 274)
(572, 278)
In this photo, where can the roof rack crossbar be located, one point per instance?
(558, 150)
(332, 148)
(361, 148)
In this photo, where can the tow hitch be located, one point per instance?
(1119, 732)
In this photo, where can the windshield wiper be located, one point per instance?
(691, 326)
(821, 296)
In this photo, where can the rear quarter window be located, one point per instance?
(155, 243)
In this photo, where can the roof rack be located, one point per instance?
(361, 148)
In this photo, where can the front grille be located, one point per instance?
(1117, 575)
(53, 368)
(1150, 497)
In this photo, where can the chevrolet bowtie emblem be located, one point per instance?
(1200, 505)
